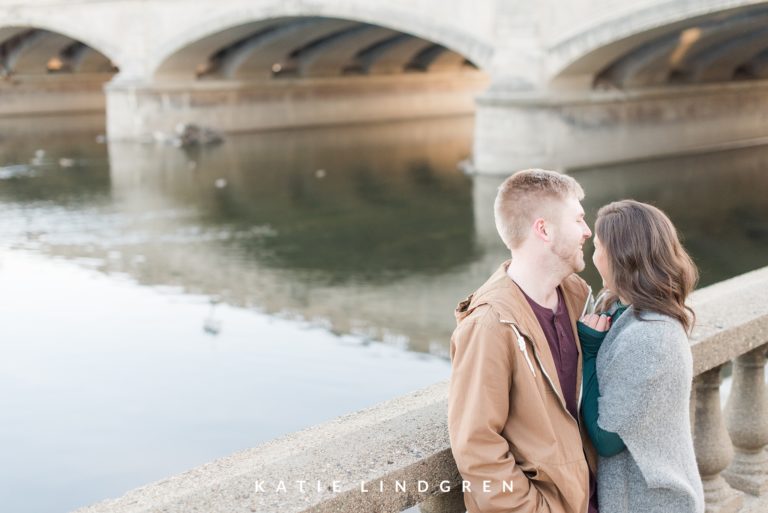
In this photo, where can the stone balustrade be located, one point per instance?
(395, 455)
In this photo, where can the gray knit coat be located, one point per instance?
(644, 370)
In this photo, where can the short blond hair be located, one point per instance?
(526, 196)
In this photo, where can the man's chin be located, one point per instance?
(575, 261)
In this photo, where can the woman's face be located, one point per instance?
(600, 259)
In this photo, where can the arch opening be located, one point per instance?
(719, 47)
(33, 51)
(308, 47)
(42, 71)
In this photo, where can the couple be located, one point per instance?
(540, 386)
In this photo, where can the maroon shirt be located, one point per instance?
(562, 343)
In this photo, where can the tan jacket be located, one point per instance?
(506, 416)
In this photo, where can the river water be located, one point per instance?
(164, 307)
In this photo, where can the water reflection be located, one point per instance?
(106, 386)
(369, 230)
(346, 204)
(717, 202)
(136, 388)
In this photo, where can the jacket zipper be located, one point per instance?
(522, 346)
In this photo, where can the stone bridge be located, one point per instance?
(563, 84)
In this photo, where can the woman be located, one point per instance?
(638, 365)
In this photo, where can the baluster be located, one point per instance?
(713, 445)
(746, 416)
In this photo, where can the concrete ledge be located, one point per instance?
(404, 439)
(497, 96)
(732, 318)
(571, 129)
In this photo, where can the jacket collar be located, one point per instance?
(509, 302)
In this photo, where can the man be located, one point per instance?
(513, 409)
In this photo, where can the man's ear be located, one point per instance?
(541, 229)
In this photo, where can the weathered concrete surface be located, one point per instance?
(754, 504)
(403, 439)
(135, 112)
(43, 94)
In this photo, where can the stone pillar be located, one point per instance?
(713, 446)
(581, 127)
(747, 421)
(448, 502)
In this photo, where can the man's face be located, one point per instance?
(571, 231)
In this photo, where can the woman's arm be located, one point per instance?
(606, 442)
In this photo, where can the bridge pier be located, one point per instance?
(569, 129)
(136, 110)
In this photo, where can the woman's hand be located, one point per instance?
(592, 330)
(597, 322)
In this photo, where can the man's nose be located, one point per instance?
(587, 231)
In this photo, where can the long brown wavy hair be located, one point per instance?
(650, 267)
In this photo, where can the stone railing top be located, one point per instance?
(404, 439)
(731, 319)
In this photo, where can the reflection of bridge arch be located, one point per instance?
(183, 50)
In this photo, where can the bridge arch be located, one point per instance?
(47, 67)
(34, 51)
(183, 49)
(73, 28)
(594, 48)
